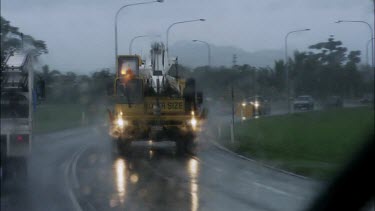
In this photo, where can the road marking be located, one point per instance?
(275, 190)
(73, 199)
(74, 166)
(71, 165)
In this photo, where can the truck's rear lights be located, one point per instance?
(19, 138)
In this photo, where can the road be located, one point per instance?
(78, 170)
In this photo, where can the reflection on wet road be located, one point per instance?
(152, 177)
(148, 178)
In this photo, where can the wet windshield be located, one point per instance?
(185, 104)
(131, 91)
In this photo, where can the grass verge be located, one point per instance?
(314, 144)
(53, 117)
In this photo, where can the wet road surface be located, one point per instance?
(78, 170)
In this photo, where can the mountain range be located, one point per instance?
(192, 54)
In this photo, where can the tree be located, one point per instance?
(326, 70)
(279, 75)
(11, 40)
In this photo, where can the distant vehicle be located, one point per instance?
(261, 106)
(303, 102)
(334, 102)
(367, 99)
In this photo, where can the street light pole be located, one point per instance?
(116, 18)
(371, 34)
(367, 45)
(209, 50)
(286, 64)
(169, 28)
(134, 38)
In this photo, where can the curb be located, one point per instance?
(221, 147)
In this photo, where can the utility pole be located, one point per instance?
(234, 60)
(176, 66)
(232, 96)
(232, 125)
(22, 47)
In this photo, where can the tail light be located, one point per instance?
(19, 138)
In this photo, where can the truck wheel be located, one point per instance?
(180, 146)
(189, 94)
(113, 146)
(190, 145)
(124, 145)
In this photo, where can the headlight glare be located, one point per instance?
(120, 122)
(193, 122)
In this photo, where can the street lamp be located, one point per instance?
(209, 50)
(286, 61)
(367, 45)
(134, 38)
(180, 22)
(116, 17)
(371, 34)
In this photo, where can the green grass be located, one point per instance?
(314, 144)
(53, 117)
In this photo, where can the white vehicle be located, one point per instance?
(17, 98)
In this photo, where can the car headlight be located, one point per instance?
(120, 122)
(193, 122)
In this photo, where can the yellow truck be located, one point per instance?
(253, 107)
(148, 104)
(244, 110)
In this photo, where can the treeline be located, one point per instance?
(70, 87)
(326, 69)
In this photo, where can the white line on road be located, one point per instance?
(275, 190)
(73, 199)
(74, 166)
(71, 164)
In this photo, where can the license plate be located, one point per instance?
(168, 106)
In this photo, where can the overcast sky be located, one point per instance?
(80, 33)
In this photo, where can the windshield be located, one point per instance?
(196, 105)
(131, 91)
